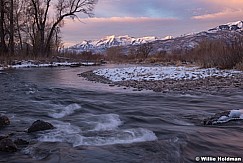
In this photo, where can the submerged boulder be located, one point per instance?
(20, 142)
(224, 117)
(3, 137)
(4, 121)
(40, 125)
(7, 145)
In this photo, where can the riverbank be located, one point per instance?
(36, 64)
(182, 81)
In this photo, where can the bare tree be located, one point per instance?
(29, 25)
(20, 17)
(115, 53)
(3, 47)
(144, 50)
(11, 33)
(45, 28)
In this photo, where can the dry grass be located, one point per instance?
(217, 54)
(239, 66)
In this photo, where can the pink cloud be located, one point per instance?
(122, 19)
(226, 4)
(226, 14)
(96, 28)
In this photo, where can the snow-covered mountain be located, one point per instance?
(225, 32)
(110, 41)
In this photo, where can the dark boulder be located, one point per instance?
(40, 125)
(7, 145)
(3, 137)
(20, 142)
(4, 121)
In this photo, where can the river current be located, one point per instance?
(96, 123)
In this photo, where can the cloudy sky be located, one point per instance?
(159, 18)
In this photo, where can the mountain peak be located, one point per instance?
(238, 23)
(110, 41)
(110, 37)
(232, 26)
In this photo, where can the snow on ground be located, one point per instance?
(28, 64)
(161, 73)
(233, 115)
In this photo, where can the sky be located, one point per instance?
(161, 18)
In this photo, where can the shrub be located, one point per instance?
(218, 53)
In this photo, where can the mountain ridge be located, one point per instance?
(169, 44)
(112, 40)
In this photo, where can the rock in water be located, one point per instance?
(7, 145)
(20, 142)
(3, 137)
(4, 121)
(224, 117)
(40, 125)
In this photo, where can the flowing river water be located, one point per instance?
(95, 123)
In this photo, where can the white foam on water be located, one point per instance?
(68, 110)
(105, 134)
(120, 137)
(182, 123)
(35, 153)
(106, 122)
(97, 130)
(63, 132)
(31, 91)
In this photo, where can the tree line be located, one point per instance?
(220, 53)
(32, 27)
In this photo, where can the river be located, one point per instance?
(96, 123)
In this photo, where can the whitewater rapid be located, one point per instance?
(94, 129)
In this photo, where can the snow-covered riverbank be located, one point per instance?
(170, 79)
(33, 64)
(162, 73)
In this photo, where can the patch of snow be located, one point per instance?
(28, 64)
(88, 63)
(168, 38)
(234, 114)
(162, 73)
(237, 23)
